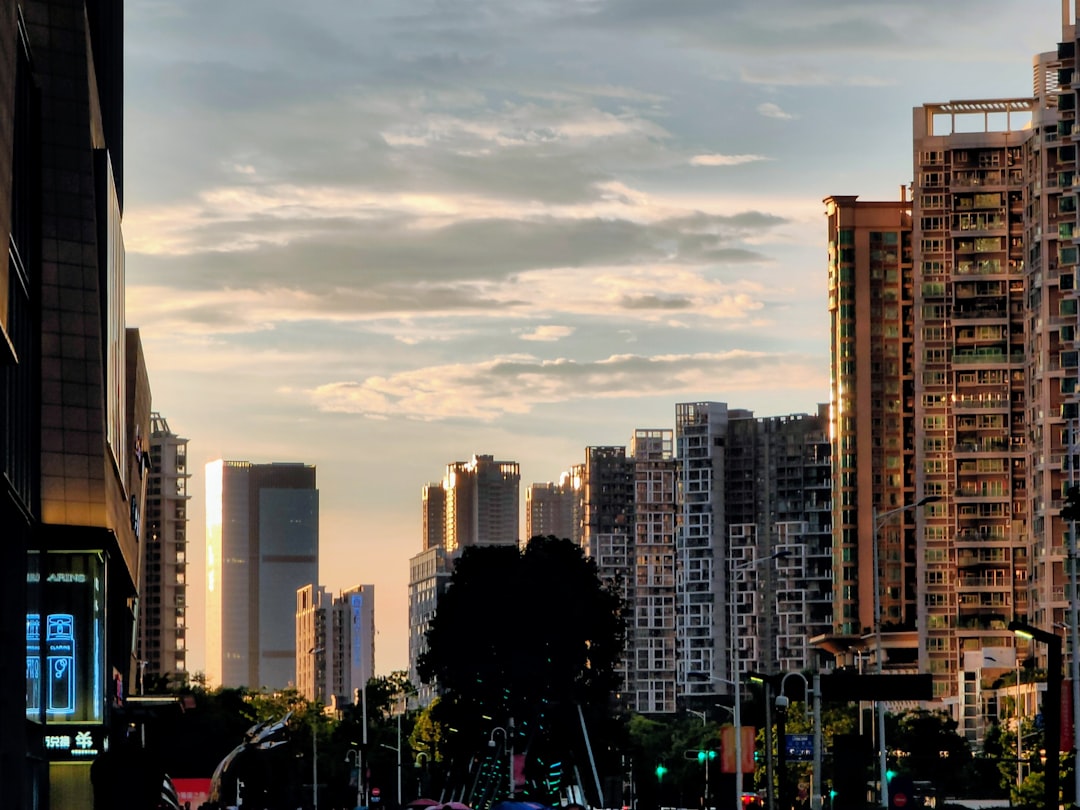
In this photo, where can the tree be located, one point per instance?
(926, 746)
(531, 636)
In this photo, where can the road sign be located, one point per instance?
(799, 747)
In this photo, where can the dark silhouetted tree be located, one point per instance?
(531, 635)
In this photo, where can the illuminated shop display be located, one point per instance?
(65, 651)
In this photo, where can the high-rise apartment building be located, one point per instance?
(650, 639)
(871, 317)
(970, 384)
(475, 505)
(434, 515)
(555, 509)
(162, 640)
(972, 339)
(703, 629)
(335, 643)
(482, 505)
(629, 530)
(262, 545)
(777, 501)
(749, 488)
(429, 575)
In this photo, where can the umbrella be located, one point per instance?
(419, 803)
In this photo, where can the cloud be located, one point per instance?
(805, 75)
(548, 333)
(725, 160)
(516, 384)
(771, 110)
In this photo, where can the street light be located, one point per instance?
(404, 708)
(420, 762)
(315, 653)
(355, 752)
(879, 521)
(508, 741)
(736, 572)
(1051, 707)
(706, 752)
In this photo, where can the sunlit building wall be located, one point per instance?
(482, 506)
(262, 545)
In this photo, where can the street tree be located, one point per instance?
(531, 637)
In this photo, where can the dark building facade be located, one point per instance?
(74, 402)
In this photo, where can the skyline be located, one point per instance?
(440, 174)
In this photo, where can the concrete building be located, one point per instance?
(429, 575)
(482, 506)
(650, 640)
(629, 530)
(476, 504)
(703, 629)
(262, 545)
(750, 488)
(162, 642)
(555, 509)
(972, 339)
(335, 643)
(777, 500)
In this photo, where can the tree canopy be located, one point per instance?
(529, 635)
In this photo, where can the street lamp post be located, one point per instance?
(1051, 707)
(315, 653)
(736, 573)
(879, 521)
(354, 752)
(781, 705)
(508, 740)
(705, 792)
(420, 763)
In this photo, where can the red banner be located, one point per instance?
(196, 791)
(727, 749)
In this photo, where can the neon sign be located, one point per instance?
(65, 650)
(59, 664)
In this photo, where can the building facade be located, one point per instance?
(476, 504)
(74, 402)
(335, 643)
(974, 341)
(162, 642)
(429, 575)
(555, 510)
(262, 541)
(481, 503)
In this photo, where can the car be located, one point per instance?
(752, 800)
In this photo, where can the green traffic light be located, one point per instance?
(700, 756)
(889, 775)
(660, 771)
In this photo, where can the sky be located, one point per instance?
(380, 236)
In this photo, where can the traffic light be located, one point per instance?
(661, 769)
(704, 755)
